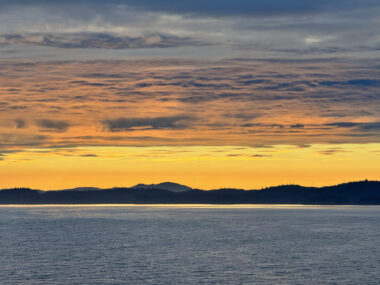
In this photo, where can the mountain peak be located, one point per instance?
(83, 189)
(169, 186)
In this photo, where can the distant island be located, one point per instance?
(352, 193)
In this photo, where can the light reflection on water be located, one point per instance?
(205, 206)
(189, 244)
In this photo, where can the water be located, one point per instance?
(190, 245)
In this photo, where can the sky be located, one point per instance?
(210, 94)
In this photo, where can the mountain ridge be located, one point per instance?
(169, 186)
(360, 192)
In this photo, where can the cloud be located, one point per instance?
(117, 112)
(297, 26)
(210, 7)
(18, 107)
(366, 82)
(96, 40)
(170, 122)
(375, 126)
(333, 151)
(249, 7)
(243, 116)
(343, 124)
(101, 75)
(297, 126)
(370, 126)
(260, 155)
(20, 123)
(89, 155)
(20, 140)
(53, 125)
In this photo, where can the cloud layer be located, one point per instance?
(95, 40)
(297, 27)
(216, 90)
(212, 7)
(187, 102)
(53, 125)
(147, 123)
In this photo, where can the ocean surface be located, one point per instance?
(191, 244)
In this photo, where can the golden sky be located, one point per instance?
(206, 124)
(208, 93)
(204, 167)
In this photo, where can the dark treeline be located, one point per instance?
(363, 193)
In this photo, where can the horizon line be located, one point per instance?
(221, 188)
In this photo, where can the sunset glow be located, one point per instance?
(209, 98)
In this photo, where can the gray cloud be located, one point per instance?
(170, 122)
(359, 129)
(53, 125)
(211, 7)
(260, 155)
(20, 123)
(89, 155)
(101, 75)
(20, 140)
(243, 116)
(297, 126)
(365, 82)
(249, 7)
(96, 40)
(371, 126)
(343, 124)
(297, 27)
(331, 151)
(375, 126)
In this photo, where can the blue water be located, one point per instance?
(190, 245)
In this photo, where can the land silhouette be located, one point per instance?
(360, 193)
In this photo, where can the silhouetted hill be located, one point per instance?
(363, 193)
(169, 186)
(83, 189)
